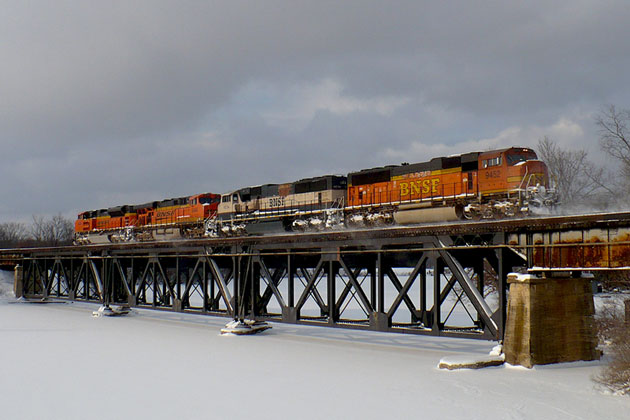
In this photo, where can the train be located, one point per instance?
(508, 182)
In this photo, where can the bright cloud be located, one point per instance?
(295, 106)
(565, 131)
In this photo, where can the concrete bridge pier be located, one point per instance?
(18, 281)
(549, 319)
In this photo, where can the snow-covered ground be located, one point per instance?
(61, 363)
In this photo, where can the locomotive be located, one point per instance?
(479, 185)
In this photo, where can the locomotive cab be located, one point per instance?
(84, 222)
(230, 203)
(204, 199)
(516, 170)
(525, 170)
(201, 206)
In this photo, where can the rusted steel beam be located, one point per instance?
(597, 248)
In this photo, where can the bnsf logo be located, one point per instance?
(420, 187)
(276, 202)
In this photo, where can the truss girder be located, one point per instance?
(395, 284)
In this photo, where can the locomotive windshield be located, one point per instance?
(208, 200)
(514, 158)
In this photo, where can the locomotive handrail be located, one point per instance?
(524, 176)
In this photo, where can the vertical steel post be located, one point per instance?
(58, 264)
(332, 304)
(372, 273)
(290, 280)
(45, 288)
(254, 290)
(381, 283)
(153, 282)
(214, 304)
(71, 288)
(105, 281)
(177, 279)
(165, 298)
(131, 280)
(423, 293)
(290, 312)
(236, 278)
(503, 285)
(479, 271)
(437, 289)
(204, 286)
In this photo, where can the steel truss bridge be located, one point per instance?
(420, 280)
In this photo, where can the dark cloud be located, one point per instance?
(135, 101)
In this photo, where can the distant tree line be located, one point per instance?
(42, 231)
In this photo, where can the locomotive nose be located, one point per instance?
(536, 172)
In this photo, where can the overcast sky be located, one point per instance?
(108, 103)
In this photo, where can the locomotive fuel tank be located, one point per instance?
(410, 214)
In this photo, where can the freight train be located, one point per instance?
(479, 185)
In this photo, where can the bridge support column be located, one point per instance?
(290, 315)
(549, 320)
(379, 321)
(18, 281)
(177, 305)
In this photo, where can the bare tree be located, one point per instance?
(576, 178)
(613, 130)
(615, 341)
(613, 329)
(52, 232)
(12, 234)
(614, 138)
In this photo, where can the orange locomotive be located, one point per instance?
(172, 218)
(499, 183)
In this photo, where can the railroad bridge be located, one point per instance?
(429, 279)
